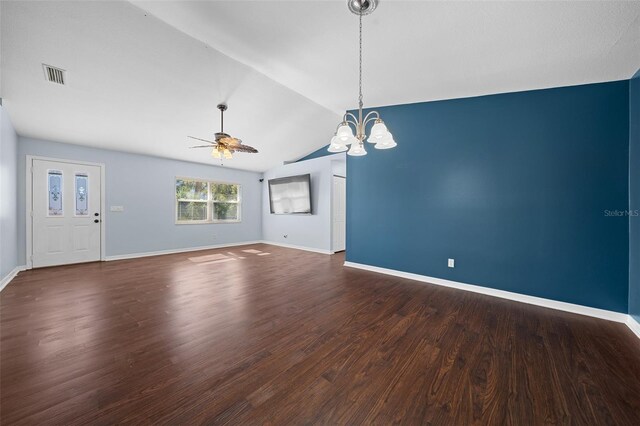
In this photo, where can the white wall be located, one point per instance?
(339, 167)
(304, 231)
(145, 186)
(8, 208)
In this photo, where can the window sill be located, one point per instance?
(206, 222)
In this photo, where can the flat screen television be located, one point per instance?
(290, 195)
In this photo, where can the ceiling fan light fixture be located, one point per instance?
(225, 145)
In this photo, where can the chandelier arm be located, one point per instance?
(349, 115)
(353, 123)
(369, 117)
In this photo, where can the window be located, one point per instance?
(55, 192)
(226, 201)
(193, 199)
(82, 194)
(203, 201)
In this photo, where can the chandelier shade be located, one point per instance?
(352, 140)
(380, 135)
(378, 132)
(336, 145)
(357, 150)
(337, 148)
(344, 133)
(386, 142)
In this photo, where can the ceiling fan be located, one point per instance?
(224, 145)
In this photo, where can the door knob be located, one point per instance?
(96, 221)
(96, 214)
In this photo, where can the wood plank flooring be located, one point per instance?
(290, 337)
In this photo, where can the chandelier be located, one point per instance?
(380, 135)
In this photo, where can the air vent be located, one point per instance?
(53, 74)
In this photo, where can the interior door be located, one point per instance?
(339, 212)
(66, 208)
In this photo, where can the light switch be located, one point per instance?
(117, 208)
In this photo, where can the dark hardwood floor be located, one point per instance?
(292, 337)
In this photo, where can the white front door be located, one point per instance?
(66, 210)
(339, 213)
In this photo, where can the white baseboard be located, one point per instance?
(11, 275)
(532, 300)
(633, 325)
(174, 251)
(315, 250)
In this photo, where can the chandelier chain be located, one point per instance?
(360, 63)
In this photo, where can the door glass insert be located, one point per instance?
(55, 192)
(82, 194)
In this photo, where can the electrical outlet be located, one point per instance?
(451, 263)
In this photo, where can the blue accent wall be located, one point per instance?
(322, 152)
(513, 186)
(634, 196)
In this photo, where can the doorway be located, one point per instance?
(339, 214)
(65, 209)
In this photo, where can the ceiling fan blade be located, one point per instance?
(244, 148)
(203, 146)
(203, 140)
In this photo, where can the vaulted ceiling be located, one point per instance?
(416, 51)
(143, 76)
